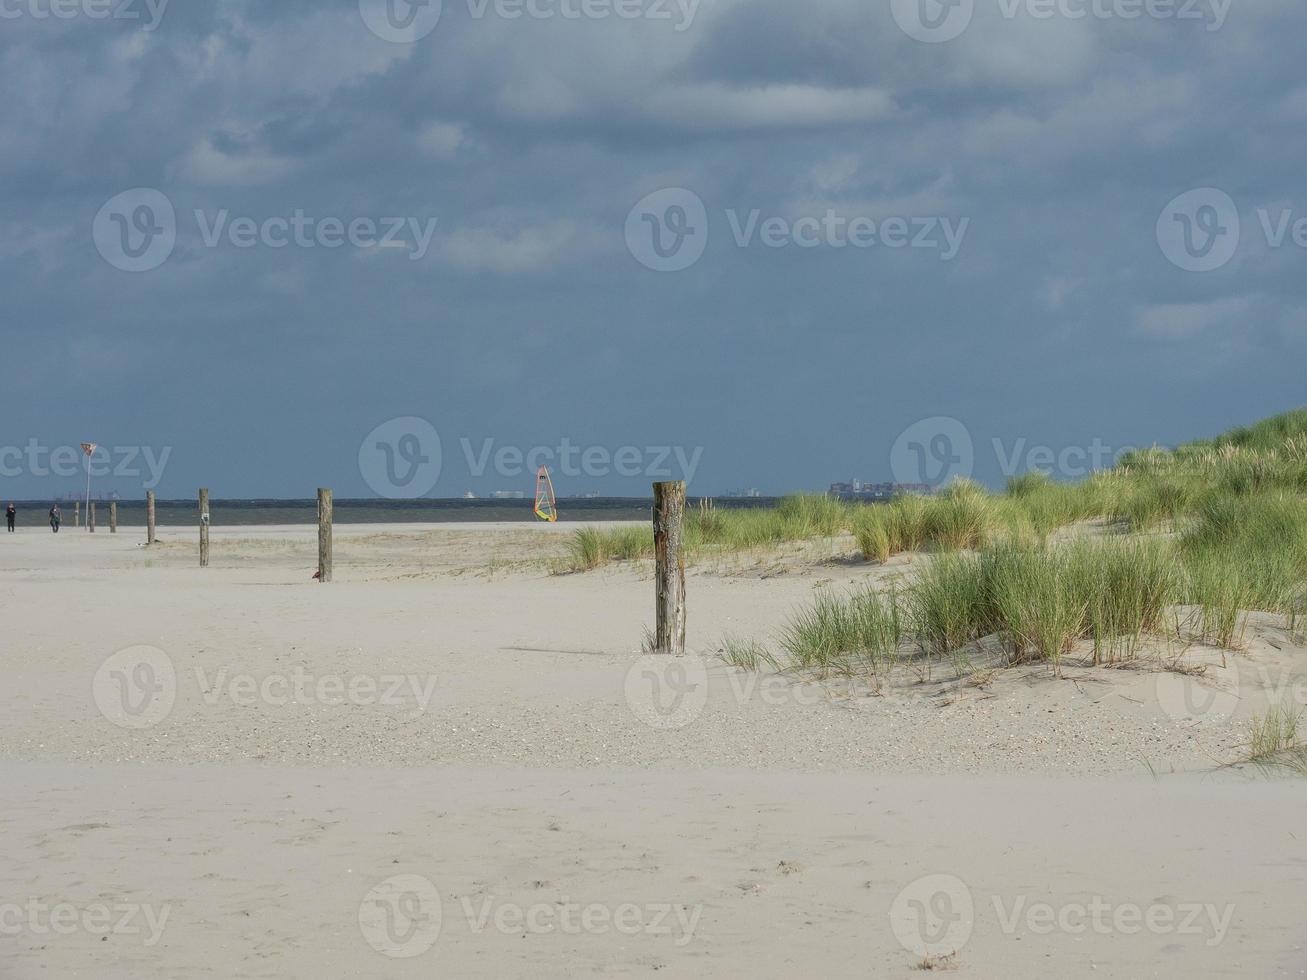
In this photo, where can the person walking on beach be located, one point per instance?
(11, 515)
(55, 519)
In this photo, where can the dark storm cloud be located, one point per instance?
(527, 140)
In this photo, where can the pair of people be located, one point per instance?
(11, 515)
(55, 519)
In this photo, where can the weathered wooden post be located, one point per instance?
(204, 528)
(113, 517)
(149, 517)
(90, 516)
(324, 535)
(669, 568)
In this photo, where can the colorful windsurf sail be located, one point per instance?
(546, 504)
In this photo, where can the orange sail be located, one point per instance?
(546, 504)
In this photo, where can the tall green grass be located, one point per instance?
(845, 634)
(1038, 600)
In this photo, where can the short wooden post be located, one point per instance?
(113, 517)
(204, 528)
(324, 535)
(90, 516)
(669, 568)
(149, 517)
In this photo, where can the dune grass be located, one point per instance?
(845, 634)
(1219, 526)
(1274, 734)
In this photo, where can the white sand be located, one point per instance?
(515, 760)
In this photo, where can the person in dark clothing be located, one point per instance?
(55, 519)
(11, 515)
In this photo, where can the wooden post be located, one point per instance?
(90, 516)
(669, 568)
(77, 514)
(113, 517)
(204, 528)
(324, 535)
(149, 517)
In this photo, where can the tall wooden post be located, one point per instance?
(113, 517)
(669, 568)
(324, 535)
(204, 528)
(149, 517)
(90, 516)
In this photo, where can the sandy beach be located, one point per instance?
(452, 712)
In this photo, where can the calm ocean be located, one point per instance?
(131, 513)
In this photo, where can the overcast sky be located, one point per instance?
(792, 243)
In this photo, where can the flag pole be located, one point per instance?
(88, 450)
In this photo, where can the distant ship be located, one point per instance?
(857, 490)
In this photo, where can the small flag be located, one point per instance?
(89, 448)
